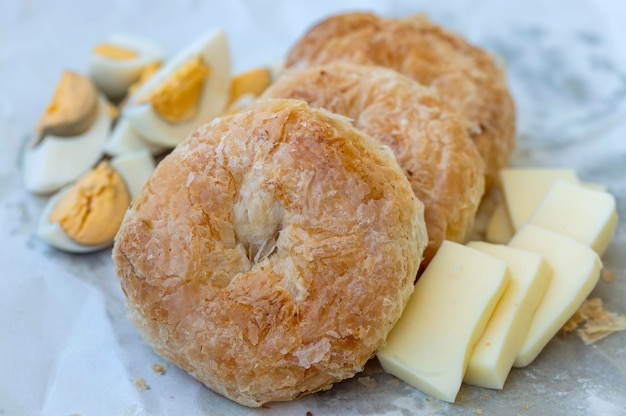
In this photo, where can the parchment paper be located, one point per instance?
(66, 346)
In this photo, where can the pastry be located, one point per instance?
(271, 252)
(428, 138)
(464, 76)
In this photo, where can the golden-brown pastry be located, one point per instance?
(271, 252)
(464, 76)
(428, 138)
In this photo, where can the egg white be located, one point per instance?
(125, 139)
(213, 49)
(134, 168)
(114, 76)
(57, 161)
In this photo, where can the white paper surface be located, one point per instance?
(65, 344)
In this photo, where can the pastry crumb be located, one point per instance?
(159, 369)
(141, 384)
(526, 407)
(608, 275)
(309, 413)
(592, 322)
(367, 381)
(487, 396)
(395, 382)
(478, 411)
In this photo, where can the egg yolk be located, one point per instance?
(114, 52)
(176, 99)
(92, 210)
(252, 82)
(146, 74)
(72, 109)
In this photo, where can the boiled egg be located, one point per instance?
(125, 139)
(119, 62)
(86, 215)
(247, 86)
(249, 83)
(69, 137)
(187, 91)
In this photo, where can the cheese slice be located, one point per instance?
(525, 188)
(430, 345)
(587, 216)
(499, 228)
(594, 186)
(495, 351)
(576, 271)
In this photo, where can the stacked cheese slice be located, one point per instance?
(478, 310)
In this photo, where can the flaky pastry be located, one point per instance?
(271, 252)
(463, 75)
(428, 138)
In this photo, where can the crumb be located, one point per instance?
(141, 384)
(367, 381)
(478, 411)
(572, 323)
(594, 322)
(265, 406)
(608, 275)
(159, 369)
(428, 399)
(395, 382)
(526, 407)
(75, 414)
(487, 396)
(309, 414)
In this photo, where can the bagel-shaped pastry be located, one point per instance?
(464, 76)
(428, 138)
(271, 252)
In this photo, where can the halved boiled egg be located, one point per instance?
(70, 135)
(86, 215)
(125, 139)
(190, 89)
(119, 62)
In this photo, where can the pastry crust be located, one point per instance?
(271, 252)
(428, 138)
(464, 76)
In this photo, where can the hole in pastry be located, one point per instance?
(258, 218)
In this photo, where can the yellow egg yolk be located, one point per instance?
(92, 210)
(114, 52)
(72, 109)
(252, 82)
(146, 74)
(176, 99)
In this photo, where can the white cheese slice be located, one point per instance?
(430, 345)
(594, 186)
(576, 271)
(525, 188)
(499, 228)
(587, 216)
(495, 351)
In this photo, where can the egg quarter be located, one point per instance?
(213, 51)
(85, 216)
(115, 64)
(59, 160)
